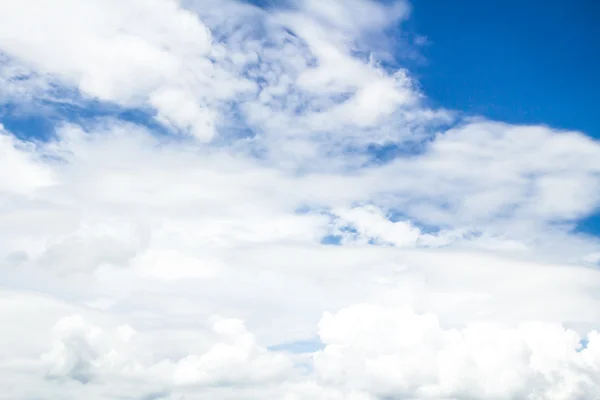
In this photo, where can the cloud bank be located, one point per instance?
(249, 236)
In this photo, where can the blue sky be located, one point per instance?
(515, 61)
(308, 199)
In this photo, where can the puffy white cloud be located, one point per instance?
(394, 352)
(86, 353)
(135, 54)
(236, 361)
(78, 351)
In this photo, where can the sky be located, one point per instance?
(511, 60)
(299, 200)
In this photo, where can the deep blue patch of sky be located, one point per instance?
(512, 60)
(31, 126)
(589, 225)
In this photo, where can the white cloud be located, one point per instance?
(287, 73)
(458, 274)
(16, 155)
(508, 178)
(135, 54)
(178, 108)
(370, 224)
(168, 233)
(236, 361)
(396, 352)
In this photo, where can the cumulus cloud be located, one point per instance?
(186, 258)
(236, 361)
(396, 352)
(76, 352)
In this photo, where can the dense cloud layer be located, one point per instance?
(245, 242)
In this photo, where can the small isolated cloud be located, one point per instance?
(182, 256)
